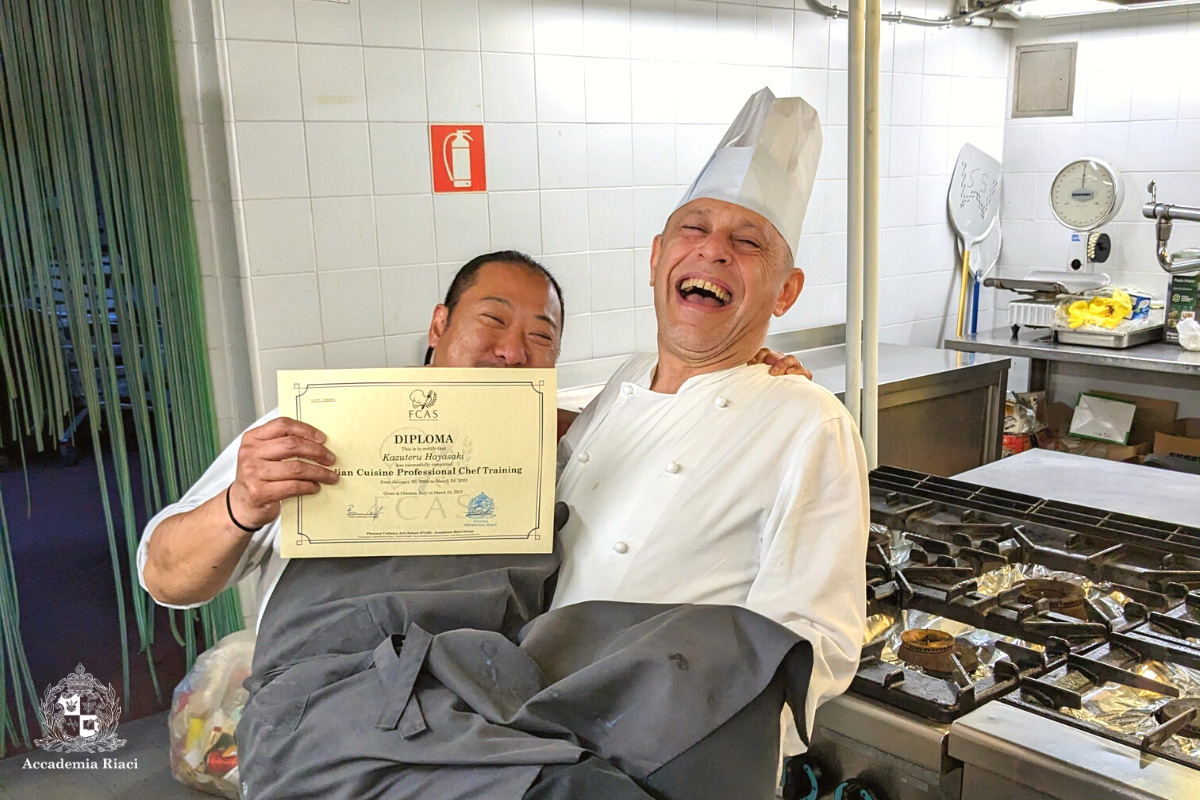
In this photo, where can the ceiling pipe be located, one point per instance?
(973, 18)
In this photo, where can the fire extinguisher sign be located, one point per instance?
(457, 155)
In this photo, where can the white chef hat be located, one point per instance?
(766, 162)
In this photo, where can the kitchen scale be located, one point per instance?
(1085, 195)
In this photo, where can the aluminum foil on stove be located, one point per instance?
(888, 628)
(1110, 602)
(898, 545)
(1124, 709)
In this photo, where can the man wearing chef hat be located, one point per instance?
(694, 478)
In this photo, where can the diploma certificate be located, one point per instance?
(431, 461)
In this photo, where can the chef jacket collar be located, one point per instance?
(643, 380)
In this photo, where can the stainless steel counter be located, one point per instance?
(901, 367)
(903, 756)
(1011, 754)
(1038, 343)
(939, 412)
(823, 352)
(1172, 497)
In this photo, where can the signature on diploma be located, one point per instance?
(372, 514)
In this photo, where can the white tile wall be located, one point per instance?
(287, 310)
(461, 226)
(559, 86)
(512, 160)
(395, 81)
(399, 157)
(609, 155)
(451, 24)
(598, 113)
(564, 221)
(331, 80)
(335, 23)
(506, 26)
(391, 23)
(345, 233)
(358, 354)
(1147, 128)
(339, 158)
(260, 19)
(508, 92)
(453, 86)
(356, 291)
(612, 280)
(279, 236)
(562, 156)
(272, 161)
(409, 295)
(276, 94)
(515, 220)
(404, 228)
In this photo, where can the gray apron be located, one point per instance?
(440, 678)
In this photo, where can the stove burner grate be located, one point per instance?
(1178, 706)
(934, 651)
(1060, 596)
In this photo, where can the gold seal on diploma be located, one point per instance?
(431, 461)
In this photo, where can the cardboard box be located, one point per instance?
(1181, 303)
(1141, 438)
(1103, 418)
(1152, 415)
(1087, 447)
(1181, 438)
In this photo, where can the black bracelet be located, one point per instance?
(229, 508)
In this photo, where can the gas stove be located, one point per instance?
(989, 605)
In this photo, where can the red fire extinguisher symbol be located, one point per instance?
(458, 158)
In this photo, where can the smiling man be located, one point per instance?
(502, 310)
(694, 478)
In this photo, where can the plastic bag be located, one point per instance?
(1189, 334)
(1025, 413)
(1112, 310)
(205, 711)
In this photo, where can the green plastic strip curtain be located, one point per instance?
(100, 289)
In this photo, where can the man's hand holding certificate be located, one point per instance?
(430, 461)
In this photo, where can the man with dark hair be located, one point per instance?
(502, 310)
(469, 274)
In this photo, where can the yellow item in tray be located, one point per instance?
(1106, 312)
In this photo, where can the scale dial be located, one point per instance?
(1086, 194)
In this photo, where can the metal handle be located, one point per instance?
(1163, 214)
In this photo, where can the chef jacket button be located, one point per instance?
(627, 389)
(584, 456)
(621, 548)
(720, 402)
(672, 467)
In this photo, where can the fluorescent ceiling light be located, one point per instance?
(1038, 9)
(1042, 9)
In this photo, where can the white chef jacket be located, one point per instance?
(262, 553)
(740, 489)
